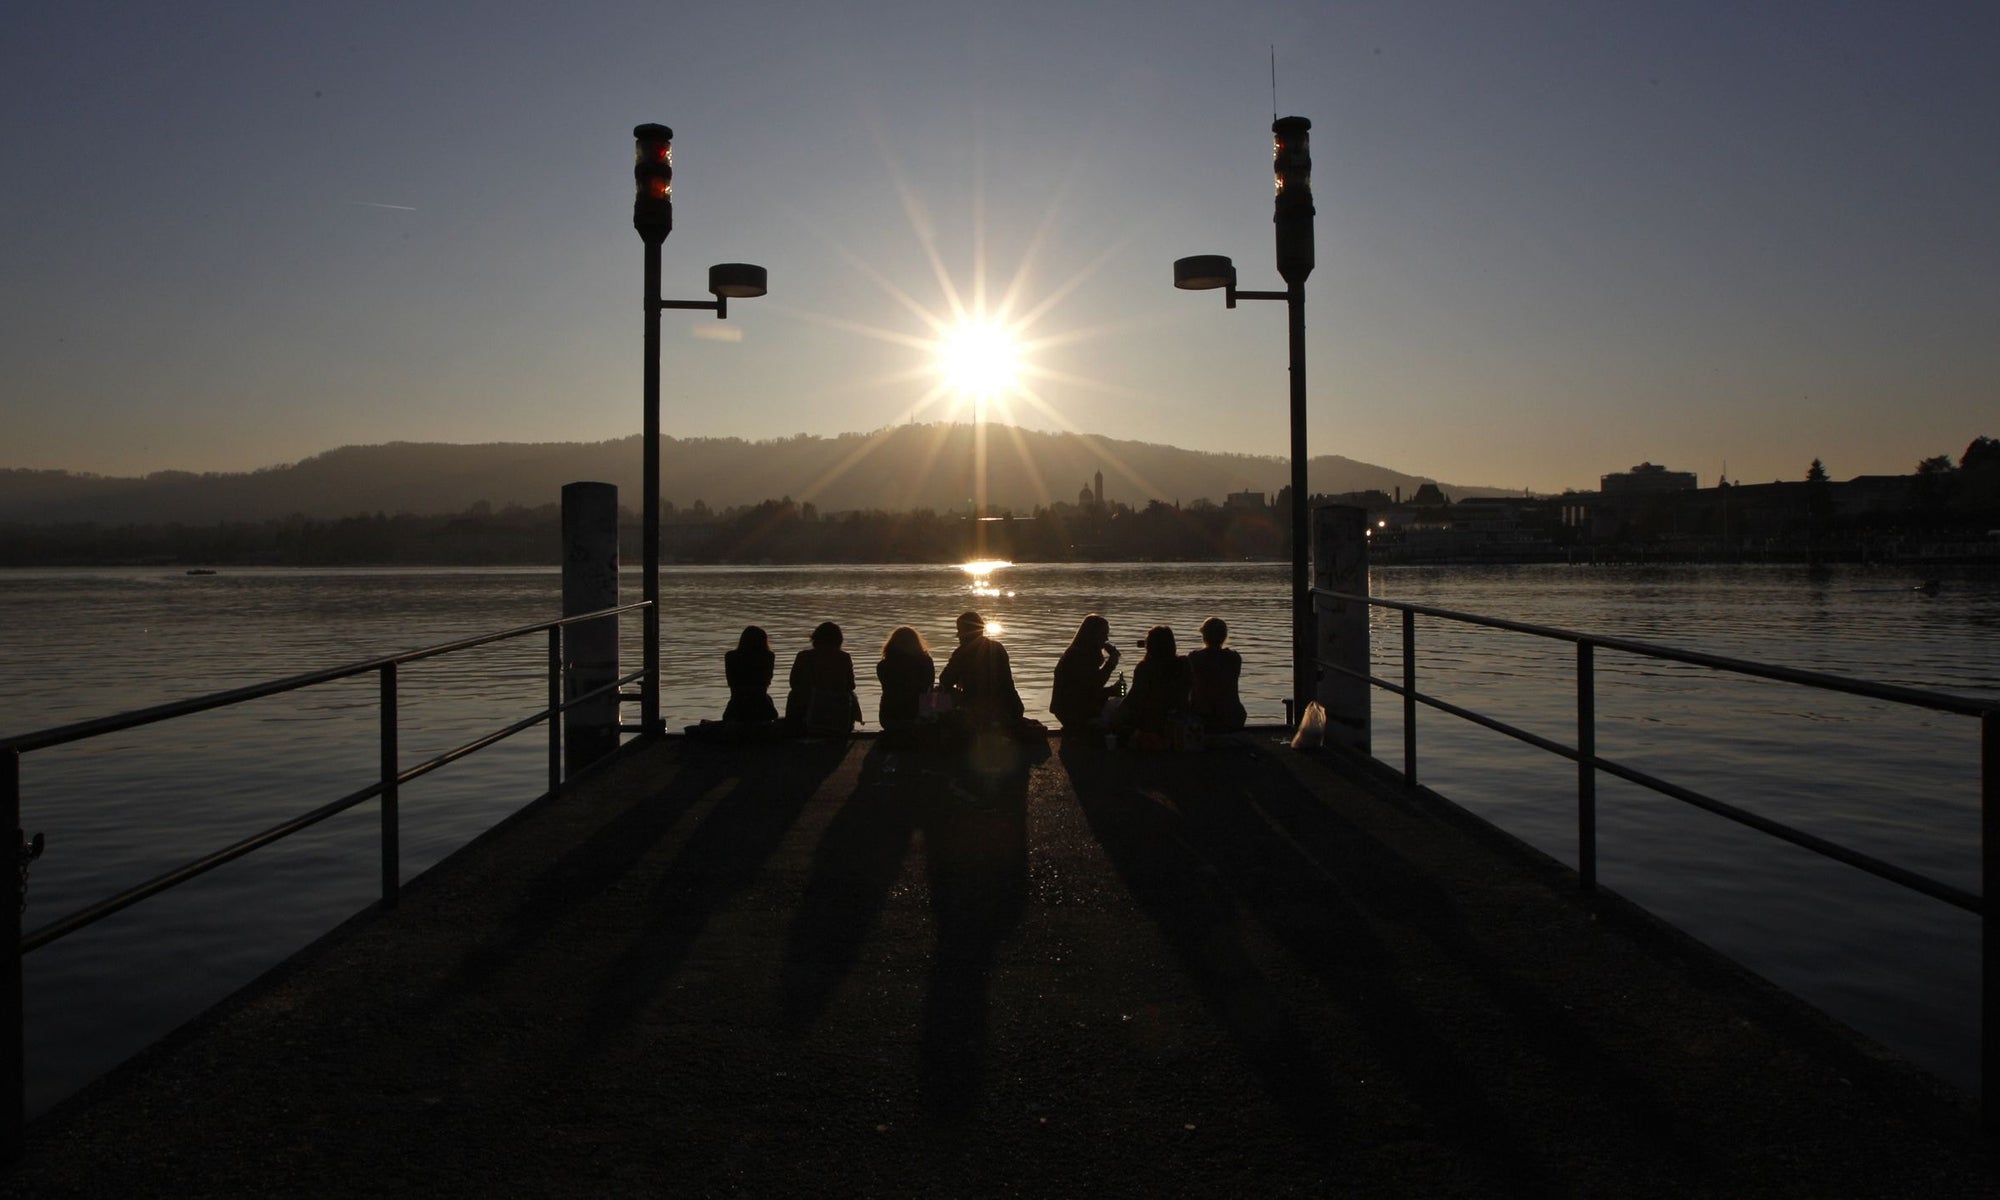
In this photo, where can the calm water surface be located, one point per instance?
(1897, 783)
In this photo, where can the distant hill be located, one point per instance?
(905, 467)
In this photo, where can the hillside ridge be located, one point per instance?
(899, 468)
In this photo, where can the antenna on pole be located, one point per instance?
(1274, 81)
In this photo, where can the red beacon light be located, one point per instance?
(1291, 159)
(1291, 167)
(653, 177)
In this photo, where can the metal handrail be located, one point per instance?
(386, 787)
(1588, 759)
(93, 913)
(1589, 763)
(1940, 701)
(55, 736)
(1957, 897)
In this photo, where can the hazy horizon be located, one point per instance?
(1552, 242)
(902, 469)
(844, 435)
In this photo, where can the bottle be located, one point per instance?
(1121, 683)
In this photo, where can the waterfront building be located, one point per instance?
(1647, 478)
(1490, 515)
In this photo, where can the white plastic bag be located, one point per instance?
(1312, 728)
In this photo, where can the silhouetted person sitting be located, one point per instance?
(822, 699)
(748, 669)
(1216, 668)
(1082, 676)
(980, 677)
(906, 672)
(1160, 686)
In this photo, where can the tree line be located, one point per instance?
(780, 531)
(1941, 498)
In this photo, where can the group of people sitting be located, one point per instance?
(1172, 698)
(976, 686)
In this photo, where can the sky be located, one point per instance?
(1554, 240)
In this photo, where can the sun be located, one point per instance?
(978, 351)
(979, 359)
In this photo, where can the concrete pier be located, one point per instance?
(825, 968)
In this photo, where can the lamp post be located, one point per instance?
(653, 217)
(1293, 217)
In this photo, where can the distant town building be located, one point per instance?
(1647, 478)
(1488, 514)
(1092, 497)
(1429, 495)
(1251, 500)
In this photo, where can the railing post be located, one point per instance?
(391, 871)
(1409, 699)
(1339, 628)
(1586, 766)
(590, 584)
(1989, 921)
(13, 1066)
(555, 702)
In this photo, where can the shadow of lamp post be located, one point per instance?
(1293, 217)
(653, 217)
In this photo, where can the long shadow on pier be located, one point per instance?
(746, 815)
(850, 969)
(1346, 869)
(970, 816)
(720, 858)
(1227, 848)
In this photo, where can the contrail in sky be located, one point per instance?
(372, 204)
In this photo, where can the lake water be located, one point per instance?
(1897, 783)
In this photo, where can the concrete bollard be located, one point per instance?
(1340, 564)
(590, 648)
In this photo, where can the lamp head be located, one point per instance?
(736, 281)
(1200, 272)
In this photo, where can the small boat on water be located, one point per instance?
(201, 570)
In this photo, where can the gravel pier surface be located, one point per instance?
(837, 969)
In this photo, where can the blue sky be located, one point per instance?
(1554, 239)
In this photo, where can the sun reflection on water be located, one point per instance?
(981, 571)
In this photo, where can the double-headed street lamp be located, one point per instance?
(653, 217)
(1292, 165)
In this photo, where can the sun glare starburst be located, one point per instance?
(980, 359)
(975, 355)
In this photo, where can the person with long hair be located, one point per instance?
(906, 672)
(748, 669)
(821, 699)
(1216, 669)
(1083, 674)
(1160, 686)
